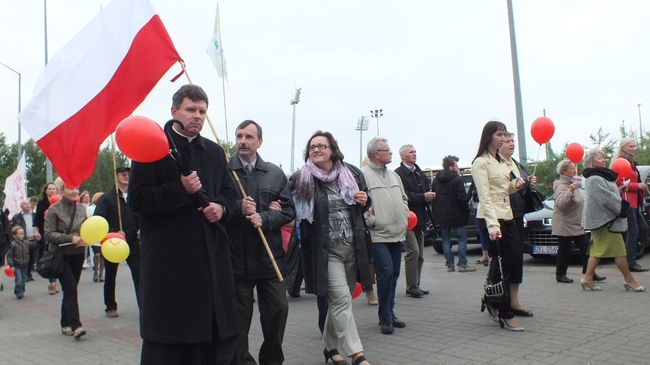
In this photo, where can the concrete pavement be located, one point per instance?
(446, 327)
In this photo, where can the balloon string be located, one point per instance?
(537, 159)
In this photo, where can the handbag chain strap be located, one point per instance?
(499, 258)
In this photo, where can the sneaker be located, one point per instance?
(112, 313)
(66, 331)
(20, 296)
(79, 332)
(85, 265)
(51, 288)
(450, 269)
(466, 268)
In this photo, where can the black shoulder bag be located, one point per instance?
(496, 292)
(50, 264)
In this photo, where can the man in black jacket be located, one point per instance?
(25, 219)
(417, 188)
(187, 311)
(112, 209)
(265, 185)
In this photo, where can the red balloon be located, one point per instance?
(141, 139)
(9, 271)
(575, 152)
(113, 235)
(412, 222)
(357, 291)
(542, 130)
(54, 198)
(622, 167)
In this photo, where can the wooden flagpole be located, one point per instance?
(265, 243)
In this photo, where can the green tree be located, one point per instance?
(103, 178)
(8, 160)
(35, 160)
(602, 140)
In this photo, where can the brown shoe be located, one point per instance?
(66, 331)
(80, 331)
(112, 313)
(372, 298)
(51, 289)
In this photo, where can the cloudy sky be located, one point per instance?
(439, 69)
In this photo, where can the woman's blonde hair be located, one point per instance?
(624, 142)
(590, 156)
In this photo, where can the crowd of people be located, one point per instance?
(221, 223)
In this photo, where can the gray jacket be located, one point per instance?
(567, 211)
(603, 202)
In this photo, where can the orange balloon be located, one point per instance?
(542, 130)
(412, 221)
(141, 139)
(357, 291)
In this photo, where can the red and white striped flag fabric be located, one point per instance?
(96, 80)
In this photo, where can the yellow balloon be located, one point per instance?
(94, 229)
(115, 250)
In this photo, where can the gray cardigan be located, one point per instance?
(602, 205)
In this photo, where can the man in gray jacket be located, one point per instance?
(387, 220)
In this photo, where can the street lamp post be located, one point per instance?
(640, 125)
(20, 146)
(294, 102)
(377, 113)
(49, 174)
(521, 136)
(362, 125)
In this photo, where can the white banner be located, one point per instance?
(16, 188)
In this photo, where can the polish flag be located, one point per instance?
(96, 80)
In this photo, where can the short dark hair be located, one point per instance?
(248, 122)
(337, 155)
(192, 92)
(448, 161)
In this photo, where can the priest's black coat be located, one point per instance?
(186, 279)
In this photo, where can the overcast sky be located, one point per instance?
(439, 69)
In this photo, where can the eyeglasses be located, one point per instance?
(384, 151)
(320, 147)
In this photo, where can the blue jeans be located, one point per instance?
(387, 258)
(21, 277)
(462, 246)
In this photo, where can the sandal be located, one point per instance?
(329, 355)
(359, 359)
(522, 312)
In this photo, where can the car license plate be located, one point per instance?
(544, 250)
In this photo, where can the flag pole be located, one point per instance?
(265, 243)
(223, 78)
(117, 187)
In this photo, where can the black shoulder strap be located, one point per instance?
(74, 212)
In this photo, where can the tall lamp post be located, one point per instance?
(377, 113)
(294, 102)
(20, 145)
(521, 135)
(49, 175)
(362, 125)
(640, 125)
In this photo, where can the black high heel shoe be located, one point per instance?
(489, 310)
(329, 355)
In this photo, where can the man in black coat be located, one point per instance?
(26, 219)
(451, 211)
(265, 185)
(187, 307)
(109, 209)
(418, 190)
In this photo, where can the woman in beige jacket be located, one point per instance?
(494, 186)
(567, 216)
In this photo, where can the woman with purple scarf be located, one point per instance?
(330, 198)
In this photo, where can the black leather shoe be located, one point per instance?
(415, 293)
(563, 279)
(638, 268)
(386, 329)
(398, 324)
(599, 278)
(425, 292)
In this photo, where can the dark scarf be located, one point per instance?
(605, 173)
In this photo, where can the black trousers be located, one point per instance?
(72, 265)
(111, 273)
(511, 253)
(34, 248)
(274, 310)
(564, 250)
(218, 352)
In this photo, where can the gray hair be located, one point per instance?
(372, 146)
(562, 165)
(404, 148)
(624, 142)
(590, 156)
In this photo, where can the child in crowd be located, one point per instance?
(18, 259)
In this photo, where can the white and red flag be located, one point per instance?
(96, 80)
(16, 188)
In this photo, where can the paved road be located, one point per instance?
(570, 326)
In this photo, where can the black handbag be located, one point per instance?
(533, 200)
(50, 264)
(497, 292)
